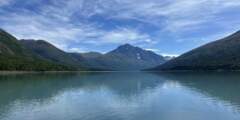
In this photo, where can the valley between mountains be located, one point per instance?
(39, 55)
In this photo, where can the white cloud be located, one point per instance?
(125, 35)
(66, 35)
(169, 55)
(178, 15)
(5, 2)
(66, 22)
(76, 50)
(161, 53)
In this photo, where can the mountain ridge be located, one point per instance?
(124, 57)
(47, 51)
(221, 54)
(128, 57)
(15, 57)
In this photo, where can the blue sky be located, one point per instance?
(164, 26)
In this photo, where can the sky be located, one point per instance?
(168, 27)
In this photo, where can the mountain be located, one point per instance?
(125, 57)
(14, 56)
(218, 55)
(9, 45)
(90, 61)
(90, 55)
(167, 58)
(32, 54)
(51, 53)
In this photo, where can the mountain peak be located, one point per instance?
(127, 45)
(126, 48)
(135, 56)
(38, 43)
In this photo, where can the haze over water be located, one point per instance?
(120, 96)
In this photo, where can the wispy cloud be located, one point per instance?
(125, 35)
(176, 15)
(76, 24)
(5, 2)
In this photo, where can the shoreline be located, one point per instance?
(173, 71)
(37, 72)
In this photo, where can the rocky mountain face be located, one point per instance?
(128, 57)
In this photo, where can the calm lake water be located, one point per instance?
(120, 96)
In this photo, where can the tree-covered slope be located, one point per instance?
(9, 44)
(51, 53)
(219, 55)
(14, 56)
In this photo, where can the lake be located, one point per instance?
(120, 96)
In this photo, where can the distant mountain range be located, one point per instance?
(41, 55)
(125, 57)
(223, 54)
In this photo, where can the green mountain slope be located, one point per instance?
(51, 53)
(219, 55)
(9, 44)
(14, 56)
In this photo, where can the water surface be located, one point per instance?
(120, 96)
